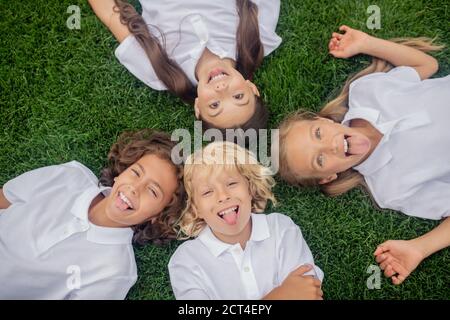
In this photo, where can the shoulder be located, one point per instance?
(187, 253)
(279, 220)
(78, 172)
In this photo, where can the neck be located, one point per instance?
(240, 238)
(207, 59)
(97, 213)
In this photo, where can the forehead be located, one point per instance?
(160, 170)
(299, 147)
(206, 174)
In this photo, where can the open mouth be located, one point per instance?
(229, 215)
(123, 203)
(217, 74)
(356, 145)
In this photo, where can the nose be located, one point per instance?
(221, 85)
(222, 195)
(330, 146)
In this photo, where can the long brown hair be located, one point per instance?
(336, 110)
(129, 148)
(250, 52)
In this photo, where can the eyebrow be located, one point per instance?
(243, 104)
(313, 158)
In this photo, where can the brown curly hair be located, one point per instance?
(129, 148)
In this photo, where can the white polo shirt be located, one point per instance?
(48, 247)
(207, 268)
(409, 170)
(191, 26)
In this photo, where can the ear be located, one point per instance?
(196, 109)
(328, 179)
(253, 87)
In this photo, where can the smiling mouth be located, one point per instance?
(346, 146)
(229, 215)
(216, 74)
(123, 203)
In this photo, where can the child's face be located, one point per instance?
(322, 148)
(142, 191)
(225, 99)
(222, 198)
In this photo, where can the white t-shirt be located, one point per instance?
(207, 268)
(48, 247)
(191, 26)
(409, 170)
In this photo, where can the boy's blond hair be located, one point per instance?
(226, 155)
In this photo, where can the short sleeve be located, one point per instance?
(429, 201)
(186, 282)
(23, 187)
(34, 182)
(294, 252)
(133, 57)
(268, 14)
(404, 73)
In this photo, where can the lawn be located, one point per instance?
(64, 96)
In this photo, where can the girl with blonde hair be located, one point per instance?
(387, 131)
(238, 253)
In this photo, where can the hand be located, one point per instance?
(346, 45)
(297, 286)
(398, 258)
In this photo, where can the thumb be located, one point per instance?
(344, 28)
(385, 246)
(302, 270)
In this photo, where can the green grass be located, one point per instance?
(64, 96)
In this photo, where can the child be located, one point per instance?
(387, 131)
(65, 235)
(237, 254)
(212, 47)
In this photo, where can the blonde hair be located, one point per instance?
(336, 110)
(226, 155)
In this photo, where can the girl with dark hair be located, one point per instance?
(204, 52)
(64, 234)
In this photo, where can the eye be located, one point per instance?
(233, 183)
(155, 194)
(135, 172)
(318, 133)
(214, 105)
(238, 96)
(206, 193)
(320, 160)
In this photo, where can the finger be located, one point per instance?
(337, 35)
(386, 262)
(389, 272)
(381, 249)
(344, 28)
(317, 282)
(398, 279)
(302, 269)
(319, 293)
(401, 270)
(380, 258)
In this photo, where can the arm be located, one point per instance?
(4, 203)
(353, 42)
(104, 9)
(399, 258)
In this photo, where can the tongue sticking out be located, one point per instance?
(230, 218)
(358, 145)
(120, 204)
